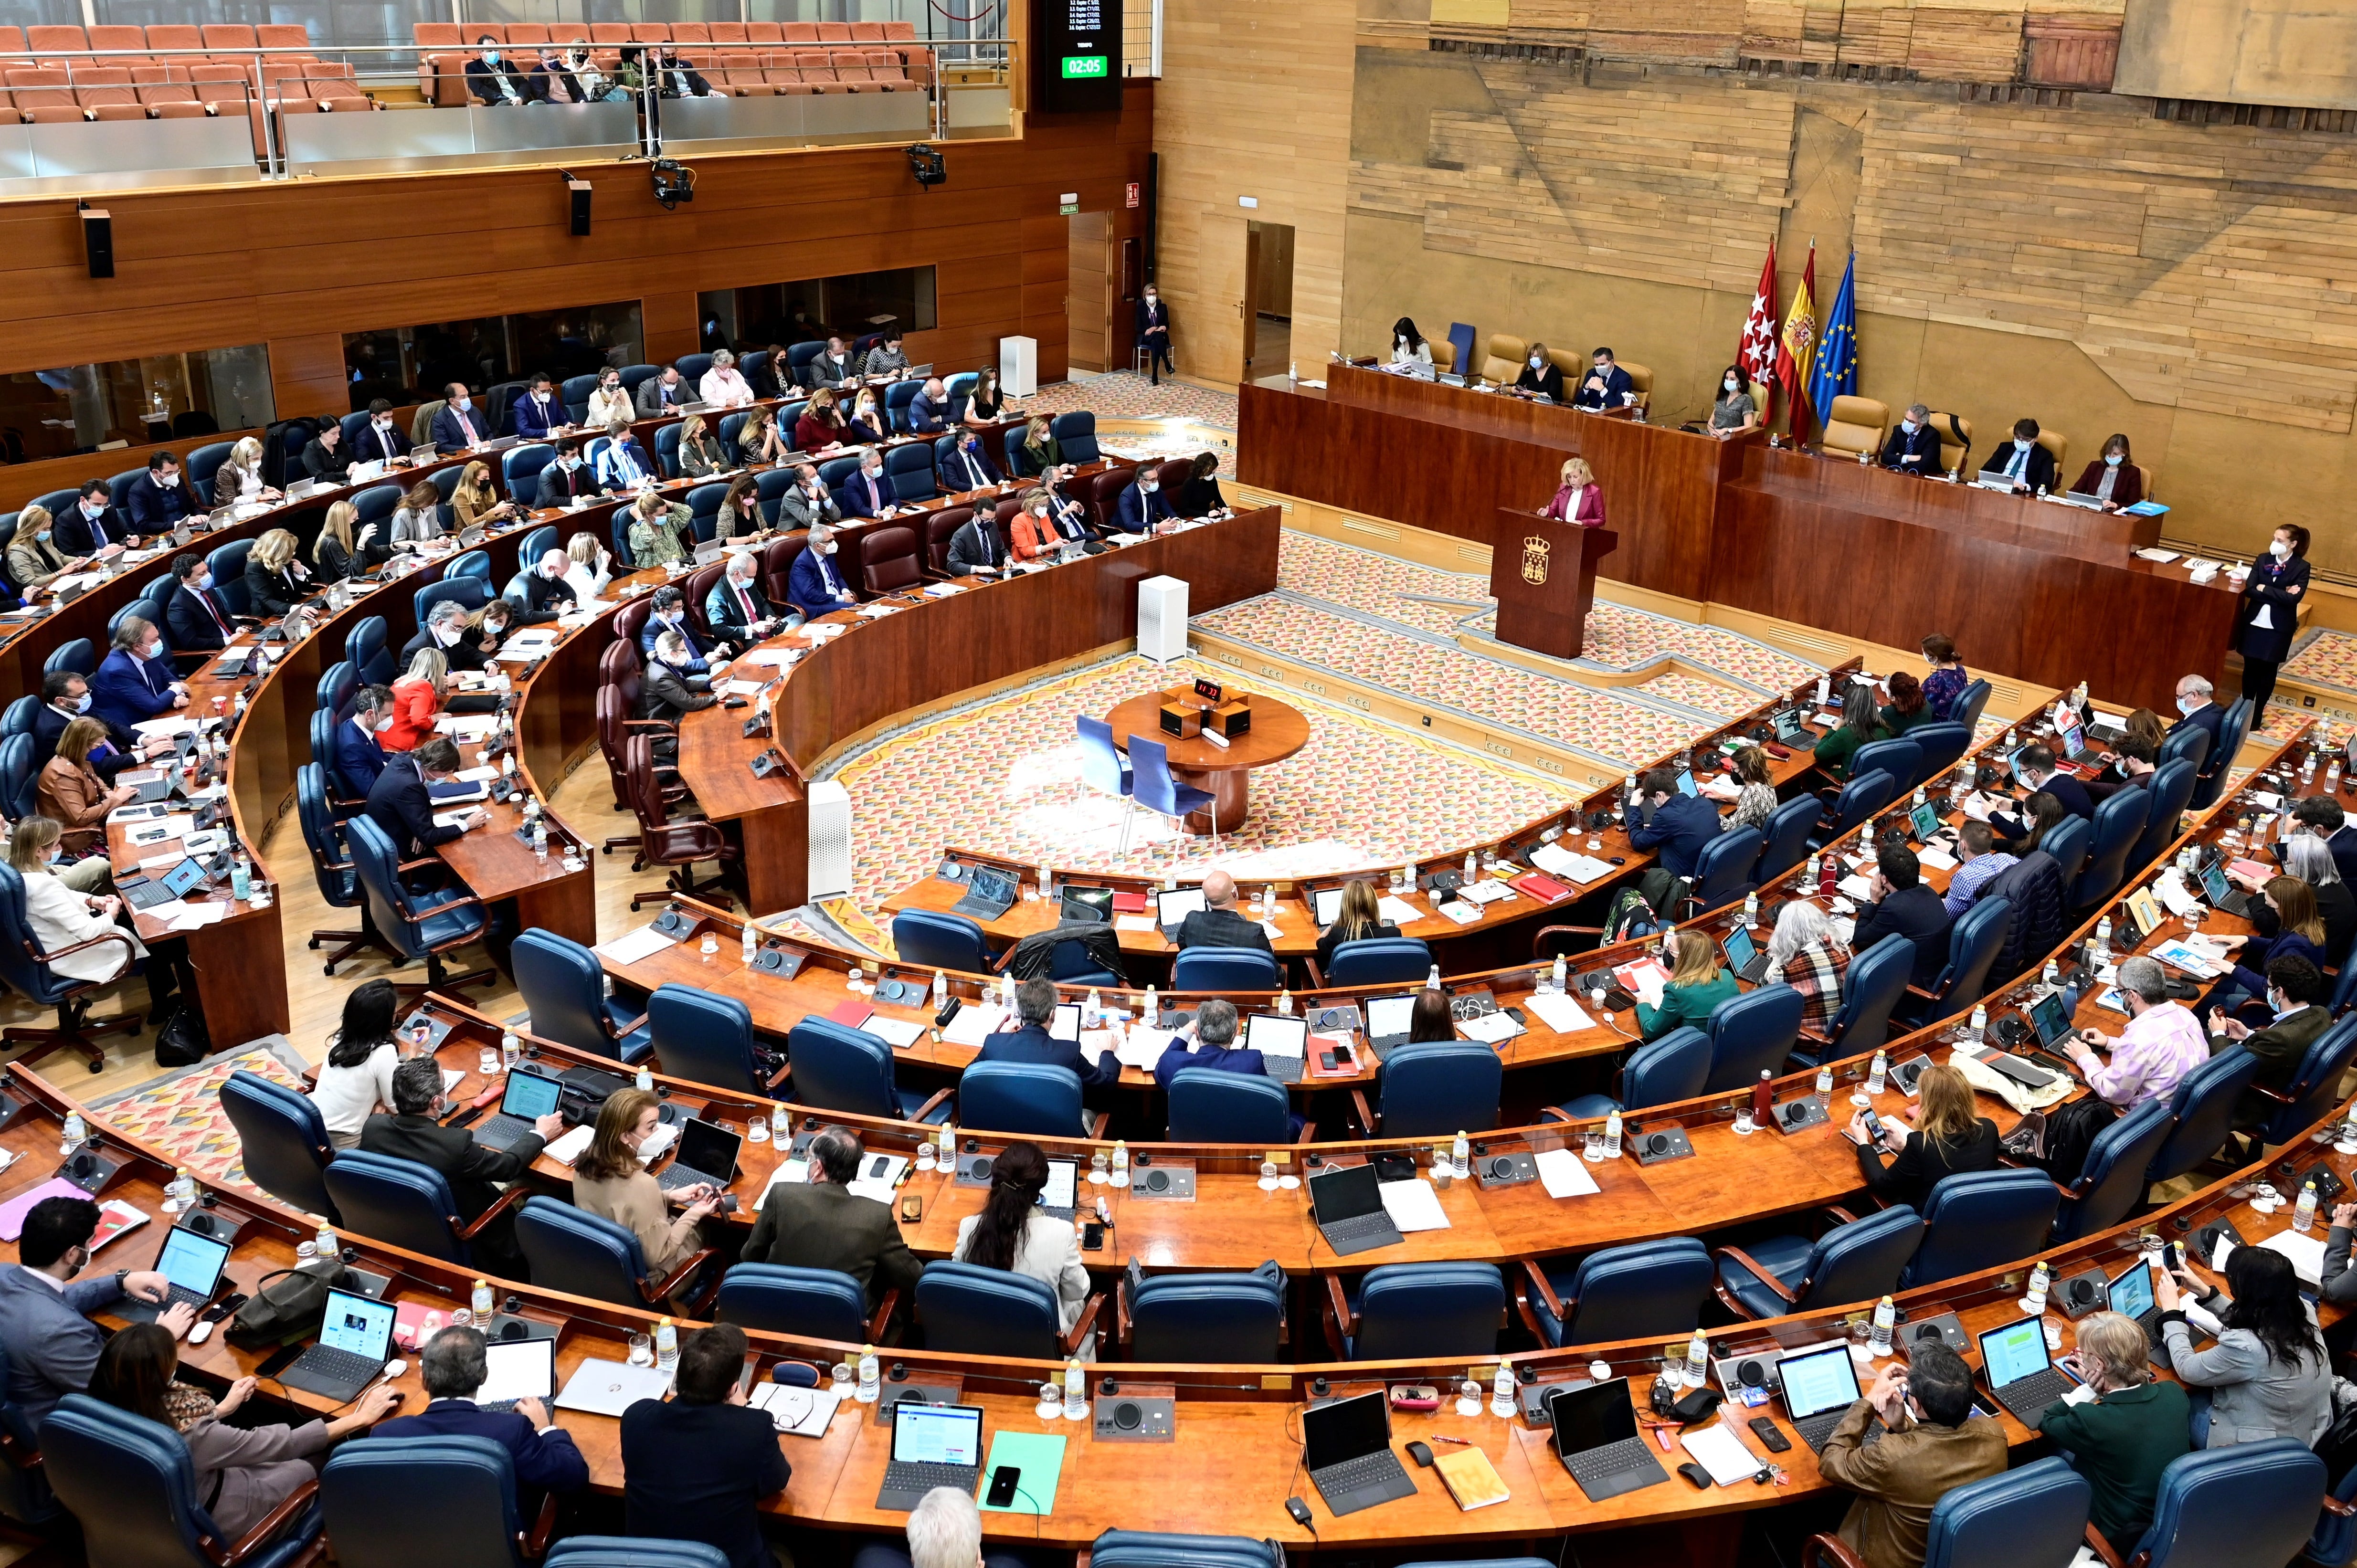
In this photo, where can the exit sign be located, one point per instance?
(1083, 64)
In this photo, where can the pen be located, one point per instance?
(1460, 1442)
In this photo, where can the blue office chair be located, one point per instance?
(406, 1204)
(345, 796)
(800, 357)
(835, 473)
(2312, 1092)
(1380, 960)
(283, 1143)
(2202, 1108)
(633, 376)
(337, 685)
(366, 648)
(706, 1039)
(1224, 969)
(2189, 744)
(1416, 1311)
(1871, 991)
(469, 591)
(2170, 787)
(2234, 1508)
(331, 861)
(76, 654)
(535, 545)
(1142, 1548)
(1943, 744)
(146, 610)
(805, 1304)
(2068, 846)
(1753, 1034)
(2112, 1183)
(1076, 436)
(18, 720)
(1104, 769)
(1207, 1106)
(704, 510)
(1865, 794)
(934, 940)
(667, 450)
(1196, 1318)
(1030, 1097)
(1154, 787)
(376, 505)
(832, 1067)
(1857, 1261)
(474, 563)
(1670, 1068)
(129, 1482)
(1973, 944)
(204, 463)
(24, 966)
(1618, 1293)
(564, 991)
(1901, 758)
(520, 468)
(1981, 1219)
(21, 781)
(118, 488)
(415, 925)
(514, 592)
(1722, 870)
(691, 367)
(897, 399)
(632, 1551)
(24, 1495)
(910, 468)
(395, 1502)
(971, 1311)
(2334, 1542)
(1787, 835)
(581, 1254)
(1433, 1088)
(2035, 1516)
(575, 391)
(2231, 731)
(2119, 823)
(1970, 704)
(498, 404)
(769, 488)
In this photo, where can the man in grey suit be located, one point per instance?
(52, 1344)
(665, 692)
(808, 502)
(821, 1224)
(658, 395)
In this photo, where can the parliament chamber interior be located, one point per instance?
(1175, 784)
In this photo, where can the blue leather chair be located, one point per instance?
(535, 545)
(1901, 758)
(1154, 787)
(1076, 436)
(832, 1067)
(395, 1502)
(407, 1204)
(514, 592)
(1069, 963)
(706, 1039)
(1417, 1311)
(1207, 1106)
(1722, 870)
(2203, 1113)
(2312, 1092)
(331, 862)
(769, 488)
(1201, 1318)
(632, 1550)
(1751, 1035)
(971, 1311)
(2112, 1181)
(1618, 1293)
(130, 1484)
(1380, 960)
(345, 796)
(634, 376)
(2035, 1516)
(1857, 1261)
(1224, 969)
(731, 426)
(77, 654)
(799, 359)
(520, 468)
(472, 592)
(2119, 823)
(564, 991)
(589, 1255)
(1104, 769)
(897, 399)
(24, 1495)
(144, 610)
(2230, 731)
(1973, 944)
(376, 505)
(789, 415)
(475, 563)
(2334, 1543)
(2190, 745)
(691, 367)
(18, 719)
(909, 467)
(365, 647)
(1970, 704)
(414, 925)
(1787, 835)
(1434, 1088)
(2068, 844)
(2171, 787)
(2234, 1508)
(835, 474)
(1979, 1219)
(1871, 991)
(575, 391)
(118, 490)
(1865, 794)
(24, 965)
(807, 1304)
(667, 450)
(21, 781)
(338, 682)
(1030, 1097)
(1672, 1068)
(204, 463)
(934, 940)
(1142, 1548)
(1943, 744)
(283, 1143)
(704, 510)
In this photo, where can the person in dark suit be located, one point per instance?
(821, 1224)
(1912, 446)
(869, 491)
(969, 466)
(2269, 615)
(1141, 505)
(1540, 374)
(698, 1466)
(1154, 334)
(1217, 924)
(667, 611)
(492, 80)
(324, 458)
(198, 616)
(2196, 702)
(380, 440)
(1035, 1006)
(275, 579)
(674, 78)
(1950, 1139)
(400, 804)
(65, 697)
(1901, 905)
(1677, 825)
(1200, 496)
(666, 692)
(453, 1366)
(415, 1132)
(52, 1346)
(928, 410)
(2033, 767)
(360, 758)
(161, 499)
(2322, 816)
(736, 609)
(658, 395)
(1606, 385)
(88, 526)
(1209, 1042)
(976, 546)
(2295, 989)
(539, 412)
(445, 628)
(2113, 477)
(547, 594)
(135, 683)
(814, 584)
(2022, 460)
(458, 423)
(833, 367)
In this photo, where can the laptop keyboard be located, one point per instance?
(676, 1176)
(915, 1476)
(1366, 1470)
(2029, 1396)
(1597, 1466)
(1284, 1069)
(339, 1366)
(502, 1130)
(1817, 1429)
(1356, 1228)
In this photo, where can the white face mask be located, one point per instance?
(1536, 361)
(1149, 486)
(2110, 459)
(827, 549)
(465, 404)
(2280, 549)
(2021, 446)
(447, 636)
(2190, 705)
(1730, 384)
(384, 423)
(169, 481)
(1909, 426)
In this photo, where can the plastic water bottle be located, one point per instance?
(1560, 976)
(1007, 988)
(1432, 979)
(181, 1193)
(2303, 1213)
(1152, 1014)
(241, 878)
(1978, 1030)
(1698, 1360)
(940, 990)
(2042, 1280)
(752, 944)
(2103, 953)
(510, 1050)
(1092, 1011)
(1612, 1133)
(479, 1299)
(871, 1380)
(1120, 1164)
(1501, 1394)
(1472, 867)
(2052, 975)
(1285, 1003)
(77, 1133)
(646, 1079)
(1826, 1076)
(1886, 1319)
(540, 841)
(326, 1239)
(1878, 1072)
(666, 1346)
(1076, 1390)
(1751, 911)
(1413, 875)
(1918, 794)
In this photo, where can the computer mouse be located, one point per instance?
(199, 1333)
(1300, 1510)
(1421, 1452)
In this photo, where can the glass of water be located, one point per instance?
(490, 1064)
(1100, 1169)
(842, 1377)
(1595, 1148)
(710, 945)
(1268, 1175)
(756, 1129)
(925, 1156)
(1743, 1118)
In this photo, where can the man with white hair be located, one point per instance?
(814, 584)
(1218, 925)
(944, 1531)
(1913, 447)
(2193, 700)
(736, 609)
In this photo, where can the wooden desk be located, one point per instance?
(1279, 730)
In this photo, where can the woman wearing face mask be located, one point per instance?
(1733, 411)
(595, 84)
(276, 582)
(338, 552)
(240, 478)
(474, 503)
(1540, 374)
(724, 385)
(740, 509)
(34, 559)
(2113, 478)
(485, 631)
(418, 518)
(591, 569)
(71, 793)
(1580, 499)
(1200, 496)
(63, 918)
(987, 401)
(699, 450)
(866, 423)
(1411, 355)
(1154, 334)
(609, 402)
(821, 426)
(1041, 449)
(2269, 615)
(758, 439)
(609, 1181)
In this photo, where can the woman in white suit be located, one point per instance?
(1011, 1233)
(62, 918)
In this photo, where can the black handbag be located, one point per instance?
(287, 1306)
(184, 1039)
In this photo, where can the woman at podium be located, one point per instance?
(1580, 499)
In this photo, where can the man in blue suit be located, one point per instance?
(1141, 506)
(868, 492)
(539, 412)
(2203, 713)
(1913, 446)
(135, 682)
(453, 1366)
(458, 423)
(623, 464)
(379, 440)
(1677, 825)
(814, 586)
(1035, 1006)
(1606, 385)
(969, 467)
(1212, 1048)
(927, 409)
(2033, 765)
(667, 611)
(65, 697)
(360, 758)
(161, 499)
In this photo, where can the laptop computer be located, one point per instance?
(1595, 1437)
(1349, 1206)
(1060, 1197)
(1346, 1446)
(1925, 820)
(2019, 1372)
(1064, 1022)
(528, 1097)
(1326, 906)
(191, 1265)
(989, 894)
(1087, 906)
(1743, 956)
(355, 1337)
(2051, 1019)
(1819, 1386)
(1389, 1019)
(173, 883)
(932, 1446)
(517, 1369)
(1283, 1041)
(706, 1157)
(422, 455)
(2223, 895)
(2131, 1295)
(1171, 910)
(2070, 743)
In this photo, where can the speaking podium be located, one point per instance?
(1543, 574)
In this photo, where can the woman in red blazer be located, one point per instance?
(1580, 500)
(2117, 470)
(417, 699)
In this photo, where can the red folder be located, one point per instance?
(1539, 885)
(853, 1013)
(1131, 903)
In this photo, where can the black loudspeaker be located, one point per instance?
(581, 191)
(98, 240)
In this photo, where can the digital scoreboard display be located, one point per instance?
(1076, 56)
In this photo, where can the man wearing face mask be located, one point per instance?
(1606, 385)
(833, 367)
(360, 756)
(622, 462)
(1913, 447)
(968, 466)
(609, 402)
(89, 527)
(379, 442)
(492, 80)
(458, 423)
(2022, 461)
(667, 612)
(538, 413)
(736, 609)
(52, 1344)
(814, 586)
(65, 697)
(445, 628)
(1154, 334)
(2033, 770)
(2193, 700)
(1143, 504)
(568, 478)
(976, 546)
(808, 503)
(547, 594)
(135, 682)
(928, 410)
(200, 618)
(870, 492)
(658, 395)
(2294, 989)
(552, 83)
(1540, 374)
(667, 693)
(161, 499)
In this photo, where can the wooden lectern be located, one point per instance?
(1543, 574)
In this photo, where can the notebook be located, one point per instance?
(1470, 1478)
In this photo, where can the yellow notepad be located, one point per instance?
(1465, 1472)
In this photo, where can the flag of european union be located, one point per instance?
(1835, 373)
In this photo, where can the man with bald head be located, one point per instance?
(547, 594)
(1219, 925)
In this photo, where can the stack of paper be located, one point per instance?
(1395, 911)
(1142, 1047)
(1565, 1173)
(975, 1022)
(1643, 979)
(1412, 1205)
(1559, 1012)
(633, 946)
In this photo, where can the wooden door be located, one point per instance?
(1212, 345)
(1094, 344)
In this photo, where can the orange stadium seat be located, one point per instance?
(899, 31)
(801, 32)
(283, 35)
(867, 32)
(125, 46)
(834, 32)
(744, 76)
(177, 36)
(527, 35)
(228, 90)
(851, 69)
(56, 37)
(106, 92)
(689, 33)
(651, 32)
(728, 32)
(12, 38)
(221, 36)
(885, 67)
(42, 97)
(612, 33)
(818, 71)
(166, 92)
(764, 33)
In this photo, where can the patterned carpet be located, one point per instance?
(180, 1115)
(1124, 395)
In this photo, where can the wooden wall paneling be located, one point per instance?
(1088, 293)
(673, 326)
(308, 375)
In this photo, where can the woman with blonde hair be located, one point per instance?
(474, 503)
(417, 700)
(609, 1182)
(866, 422)
(1541, 374)
(1950, 1137)
(70, 791)
(418, 518)
(1698, 985)
(2134, 1428)
(338, 552)
(591, 568)
(821, 427)
(700, 452)
(1360, 919)
(34, 560)
(1580, 499)
(760, 440)
(276, 582)
(238, 481)
(1042, 451)
(63, 918)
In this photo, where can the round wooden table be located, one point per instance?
(1278, 730)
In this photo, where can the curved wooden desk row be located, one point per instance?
(1237, 1428)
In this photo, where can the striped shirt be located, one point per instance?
(1973, 875)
